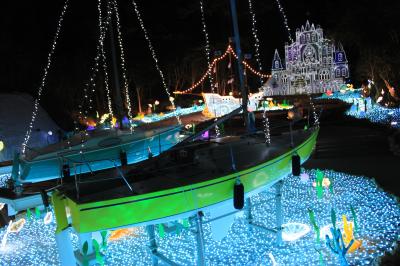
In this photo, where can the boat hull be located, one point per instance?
(105, 154)
(171, 204)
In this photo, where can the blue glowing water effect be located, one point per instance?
(378, 215)
(373, 112)
(179, 112)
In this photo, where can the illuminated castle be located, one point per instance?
(312, 63)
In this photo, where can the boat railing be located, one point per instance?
(73, 144)
(149, 149)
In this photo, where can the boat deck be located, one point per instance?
(194, 163)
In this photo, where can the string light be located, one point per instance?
(207, 52)
(122, 55)
(266, 128)
(92, 80)
(255, 36)
(316, 119)
(285, 21)
(44, 78)
(207, 46)
(228, 51)
(153, 54)
(104, 58)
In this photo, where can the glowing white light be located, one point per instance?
(294, 231)
(256, 39)
(48, 218)
(17, 226)
(5, 236)
(50, 133)
(207, 46)
(272, 258)
(1, 145)
(156, 102)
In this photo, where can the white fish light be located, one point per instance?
(294, 231)
(17, 226)
(48, 218)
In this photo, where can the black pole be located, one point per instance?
(240, 59)
(117, 87)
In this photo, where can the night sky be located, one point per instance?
(27, 30)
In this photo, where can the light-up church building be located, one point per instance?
(312, 63)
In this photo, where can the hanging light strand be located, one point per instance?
(207, 52)
(103, 55)
(316, 119)
(285, 21)
(266, 128)
(90, 87)
(207, 46)
(123, 64)
(256, 39)
(153, 54)
(44, 78)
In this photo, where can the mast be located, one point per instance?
(236, 38)
(117, 87)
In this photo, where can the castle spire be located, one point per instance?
(276, 62)
(307, 25)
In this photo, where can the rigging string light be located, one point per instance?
(285, 21)
(316, 119)
(92, 80)
(104, 58)
(266, 128)
(255, 36)
(153, 54)
(207, 52)
(207, 46)
(44, 78)
(123, 64)
(228, 51)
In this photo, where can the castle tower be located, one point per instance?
(340, 62)
(277, 62)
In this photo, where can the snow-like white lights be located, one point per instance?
(50, 133)
(378, 216)
(364, 108)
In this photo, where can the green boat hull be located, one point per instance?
(171, 204)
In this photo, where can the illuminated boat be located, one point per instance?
(93, 151)
(180, 182)
(218, 105)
